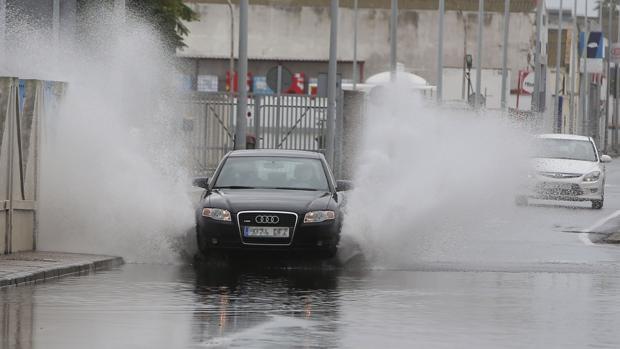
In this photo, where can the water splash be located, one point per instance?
(428, 179)
(113, 177)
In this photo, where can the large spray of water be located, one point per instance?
(428, 179)
(112, 178)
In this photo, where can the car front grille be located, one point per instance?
(267, 219)
(555, 189)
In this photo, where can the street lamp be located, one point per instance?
(231, 69)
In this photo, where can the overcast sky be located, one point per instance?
(569, 4)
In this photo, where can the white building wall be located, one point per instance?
(296, 32)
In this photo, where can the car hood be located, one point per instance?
(564, 165)
(237, 200)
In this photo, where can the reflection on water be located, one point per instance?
(258, 306)
(266, 307)
(16, 319)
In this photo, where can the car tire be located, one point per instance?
(597, 204)
(521, 200)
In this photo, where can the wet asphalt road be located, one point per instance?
(538, 283)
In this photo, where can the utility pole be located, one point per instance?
(556, 105)
(355, 77)
(2, 28)
(393, 39)
(586, 83)
(231, 67)
(242, 101)
(608, 66)
(442, 10)
(614, 140)
(505, 53)
(331, 83)
(537, 67)
(573, 68)
(477, 96)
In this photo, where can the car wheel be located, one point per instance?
(521, 200)
(597, 204)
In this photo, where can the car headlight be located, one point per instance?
(319, 216)
(592, 176)
(216, 213)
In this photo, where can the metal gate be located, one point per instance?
(24, 104)
(274, 122)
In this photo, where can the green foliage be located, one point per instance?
(167, 16)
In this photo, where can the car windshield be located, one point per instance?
(572, 149)
(272, 172)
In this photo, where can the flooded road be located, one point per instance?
(530, 279)
(153, 306)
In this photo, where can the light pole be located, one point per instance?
(556, 104)
(355, 44)
(586, 84)
(477, 96)
(242, 101)
(2, 28)
(537, 67)
(607, 93)
(231, 67)
(442, 10)
(505, 53)
(573, 68)
(614, 139)
(393, 39)
(331, 83)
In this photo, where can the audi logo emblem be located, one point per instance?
(267, 219)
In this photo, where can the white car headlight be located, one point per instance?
(592, 176)
(319, 216)
(216, 213)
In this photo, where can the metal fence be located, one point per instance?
(274, 122)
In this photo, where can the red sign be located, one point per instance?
(299, 84)
(235, 85)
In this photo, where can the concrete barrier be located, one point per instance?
(24, 104)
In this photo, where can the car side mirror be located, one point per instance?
(605, 158)
(201, 182)
(344, 185)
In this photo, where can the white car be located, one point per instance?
(566, 167)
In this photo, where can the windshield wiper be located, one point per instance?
(234, 187)
(293, 188)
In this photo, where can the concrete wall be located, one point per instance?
(302, 32)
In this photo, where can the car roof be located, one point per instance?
(276, 152)
(563, 136)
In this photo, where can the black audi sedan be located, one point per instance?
(271, 200)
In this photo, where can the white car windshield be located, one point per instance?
(571, 149)
(272, 173)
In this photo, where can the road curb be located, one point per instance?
(33, 267)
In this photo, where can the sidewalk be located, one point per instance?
(30, 267)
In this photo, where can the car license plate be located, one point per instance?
(266, 232)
